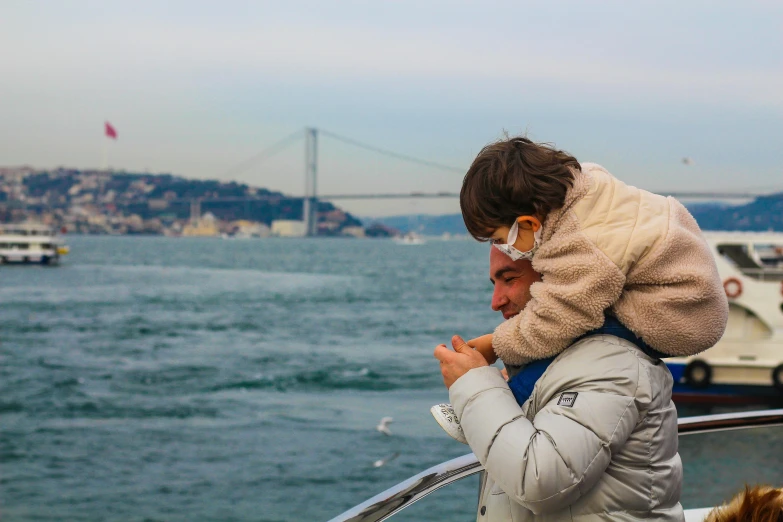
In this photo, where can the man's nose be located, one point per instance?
(499, 299)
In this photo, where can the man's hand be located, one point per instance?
(455, 364)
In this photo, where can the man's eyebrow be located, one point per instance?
(500, 273)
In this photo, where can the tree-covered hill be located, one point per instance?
(760, 215)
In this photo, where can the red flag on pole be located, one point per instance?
(110, 131)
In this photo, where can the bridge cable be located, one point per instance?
(390, 153)
(264, 154)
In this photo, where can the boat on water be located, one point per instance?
(411, 238)
(30, 243)
(401, 496)
(747, 363)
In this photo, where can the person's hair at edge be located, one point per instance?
(755, 504)
(514, 177)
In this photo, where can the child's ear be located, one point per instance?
(529, 223)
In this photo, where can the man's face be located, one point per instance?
(512, 280)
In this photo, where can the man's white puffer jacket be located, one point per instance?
(597, 440)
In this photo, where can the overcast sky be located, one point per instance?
(194, 88)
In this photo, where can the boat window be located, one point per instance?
(25, 231)
(770, 255)
(751, 263)
(738, 255)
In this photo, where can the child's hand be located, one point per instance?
(456, 363)
(483, 345)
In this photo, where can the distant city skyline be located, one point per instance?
(194, 89)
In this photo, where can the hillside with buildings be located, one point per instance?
(106, 202)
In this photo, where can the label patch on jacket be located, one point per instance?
(567, 399)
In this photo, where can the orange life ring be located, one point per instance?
(733, 287)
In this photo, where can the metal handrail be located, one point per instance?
(385, 504)
(729, 421)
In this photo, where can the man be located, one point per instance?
(597, 440)
(511, 281)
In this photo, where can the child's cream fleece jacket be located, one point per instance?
(613, 246)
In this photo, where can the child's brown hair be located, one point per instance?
(511, 178)
(756, 504)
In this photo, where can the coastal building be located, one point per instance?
(244, 228)
(353, 231)
(205, 226)
(288, 228)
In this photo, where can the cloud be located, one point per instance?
(130, 54)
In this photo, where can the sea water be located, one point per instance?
(152, 378)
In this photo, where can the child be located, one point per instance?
(602, 248)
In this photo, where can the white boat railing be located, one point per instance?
(763, 274)
(395, 499)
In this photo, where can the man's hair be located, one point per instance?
(514, 177)
(755, 504)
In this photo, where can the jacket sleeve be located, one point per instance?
(547, 464)
(579, 282)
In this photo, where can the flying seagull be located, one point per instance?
(383, 462)
(687, 161)
(383, 426)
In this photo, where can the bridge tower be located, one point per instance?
(310, 201)
(195, 211)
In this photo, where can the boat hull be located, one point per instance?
(721, 393)
(29, 258)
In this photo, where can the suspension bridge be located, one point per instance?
(311, 197)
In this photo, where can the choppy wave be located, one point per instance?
(188, 391)
(109, 409)
(335, 379)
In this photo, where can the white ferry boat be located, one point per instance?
(411, 238)
(30, 243)
(747, 363)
